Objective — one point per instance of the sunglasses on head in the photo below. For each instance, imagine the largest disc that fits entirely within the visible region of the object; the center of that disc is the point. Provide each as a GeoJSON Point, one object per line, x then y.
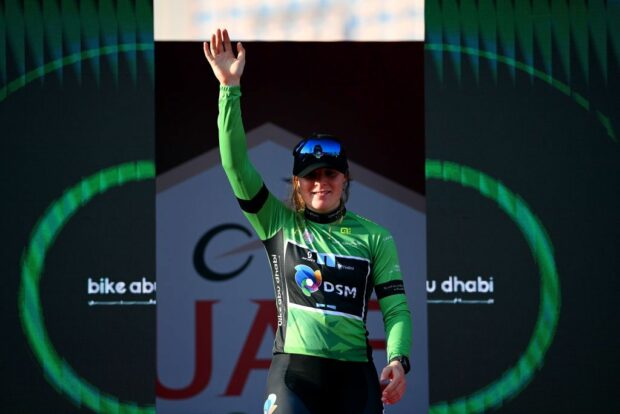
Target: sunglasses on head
{"type": "Point", "coordinates": [318, 147]}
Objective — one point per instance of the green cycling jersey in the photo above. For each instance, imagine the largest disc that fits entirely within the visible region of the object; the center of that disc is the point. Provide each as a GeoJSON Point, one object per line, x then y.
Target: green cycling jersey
{"type": "Point", "coordinates": [324, 268]}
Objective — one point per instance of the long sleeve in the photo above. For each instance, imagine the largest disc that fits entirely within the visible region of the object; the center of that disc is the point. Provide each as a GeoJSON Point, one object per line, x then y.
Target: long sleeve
{"type": "Point", "coordinates": [243, 177]}
{"type": "Point", "coordinates": [397, 321]}
{"type": "Point", "coordinates": [264, 212]}
{"type": "Point", "coordinates": [391, 294]}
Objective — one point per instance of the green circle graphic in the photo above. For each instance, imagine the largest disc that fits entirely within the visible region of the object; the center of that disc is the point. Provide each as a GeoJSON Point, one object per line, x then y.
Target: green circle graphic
{"type": "Point", "coordinates": [65, 380]}
{"type": "Point", "coordinates": [58, 371]}
{"type": "Point", "coordinates": [516, 378]}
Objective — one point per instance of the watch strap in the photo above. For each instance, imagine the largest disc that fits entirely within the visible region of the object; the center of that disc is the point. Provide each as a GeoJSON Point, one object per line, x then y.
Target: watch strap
{"type": "Point", "coordinates": [404, 362]}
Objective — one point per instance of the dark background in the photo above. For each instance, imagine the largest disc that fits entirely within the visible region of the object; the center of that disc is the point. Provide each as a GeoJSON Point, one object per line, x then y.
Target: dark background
{"type": "Point", "coordinates": [55, 131]}
{"type": "Point", "coordinates": [357, 93]}
{"type": "Point", "coordinates": [563, 162]}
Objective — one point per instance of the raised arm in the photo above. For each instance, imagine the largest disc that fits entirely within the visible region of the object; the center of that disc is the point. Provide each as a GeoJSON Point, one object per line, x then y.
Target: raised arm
{"type": "Point", "coordinates": [262, 210]}
{"type": "Point", "coordinates": [226, 67]}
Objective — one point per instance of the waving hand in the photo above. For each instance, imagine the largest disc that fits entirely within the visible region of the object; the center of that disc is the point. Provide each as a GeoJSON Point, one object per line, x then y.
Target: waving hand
{"type": "Point", "coordinates": [219, 53]}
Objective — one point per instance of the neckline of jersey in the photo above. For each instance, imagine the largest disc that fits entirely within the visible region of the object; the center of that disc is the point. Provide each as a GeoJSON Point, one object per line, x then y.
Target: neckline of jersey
{"type": "Point", "coordinates": [325, 218]}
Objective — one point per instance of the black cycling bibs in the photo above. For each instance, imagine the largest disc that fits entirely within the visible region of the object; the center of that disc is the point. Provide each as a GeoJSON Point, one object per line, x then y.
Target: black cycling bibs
{"type": "Point", "coordinates": [302, 384]}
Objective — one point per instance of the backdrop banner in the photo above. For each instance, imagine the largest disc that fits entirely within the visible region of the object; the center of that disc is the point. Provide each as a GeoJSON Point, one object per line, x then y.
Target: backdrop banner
{"type": "Point", "coordinates": [216, 313]}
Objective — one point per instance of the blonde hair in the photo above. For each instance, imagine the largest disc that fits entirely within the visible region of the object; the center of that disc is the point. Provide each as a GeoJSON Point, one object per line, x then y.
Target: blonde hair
{"type": "Point", "coordinates": [296, 201]}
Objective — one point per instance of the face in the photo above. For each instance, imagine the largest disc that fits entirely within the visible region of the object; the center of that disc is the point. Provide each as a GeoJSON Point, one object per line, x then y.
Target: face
{"type": "Point", "coordinates": [321, 189]}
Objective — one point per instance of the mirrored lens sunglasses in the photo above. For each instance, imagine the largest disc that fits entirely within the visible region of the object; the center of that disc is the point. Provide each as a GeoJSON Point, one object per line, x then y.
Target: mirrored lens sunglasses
{"type": "Point", "coordinates": [319, 148]}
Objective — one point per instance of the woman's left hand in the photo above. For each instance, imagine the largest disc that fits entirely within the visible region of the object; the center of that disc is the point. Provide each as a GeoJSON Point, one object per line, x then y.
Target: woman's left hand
{"type": "Point", "coordinates": [395, 390]}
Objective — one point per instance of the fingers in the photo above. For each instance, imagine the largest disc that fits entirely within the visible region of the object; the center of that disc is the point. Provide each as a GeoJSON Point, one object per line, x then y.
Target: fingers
{"type": "Point", "coordinates": [240, 52]}
{"type": "Point", "coordinates": [227, 45]}
{"type": "Point", "coordinates": [394, 386]}
{"type": "Point", "coordinates": [385, 374]}
{"type": "Point", "coordinates": [394, 391]}
{"type": "Point", "coordinates": [220, 55]}
{"type": "Point", "coordinates": [212, 45]}
{"type": "Point", "coordinates": [207, 50]}
{"type": "Point", "coordinates": [219, 42]}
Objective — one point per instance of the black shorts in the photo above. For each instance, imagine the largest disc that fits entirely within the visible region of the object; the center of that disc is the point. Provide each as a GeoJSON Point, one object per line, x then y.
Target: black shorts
{"type": "Point", "coordinates": [302, 384]}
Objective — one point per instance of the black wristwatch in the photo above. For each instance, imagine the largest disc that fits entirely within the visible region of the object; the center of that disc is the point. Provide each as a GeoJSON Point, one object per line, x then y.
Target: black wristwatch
{"type": "Point", "coordinates": [404, 361]}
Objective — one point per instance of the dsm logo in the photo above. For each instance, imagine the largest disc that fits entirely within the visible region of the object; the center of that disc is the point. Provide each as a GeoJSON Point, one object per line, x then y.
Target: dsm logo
{"type": "Point", "coordinates": [307, 279]}
{"type": "Point", "coordinates": [310, 280]}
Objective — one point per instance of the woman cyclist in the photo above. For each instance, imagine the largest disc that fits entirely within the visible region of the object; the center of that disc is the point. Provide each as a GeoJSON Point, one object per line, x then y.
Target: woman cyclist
{"type": "Point", "coordinates": [325, 262]}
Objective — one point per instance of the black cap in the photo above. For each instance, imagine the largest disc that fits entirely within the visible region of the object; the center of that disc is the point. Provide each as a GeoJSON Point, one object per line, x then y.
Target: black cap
{"type": "Point", "coordinates": [319, 151]}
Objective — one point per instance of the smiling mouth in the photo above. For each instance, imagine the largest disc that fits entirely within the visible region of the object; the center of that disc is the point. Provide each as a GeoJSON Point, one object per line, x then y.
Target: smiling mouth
{"type": "Point", "coordinates": [324, 192]}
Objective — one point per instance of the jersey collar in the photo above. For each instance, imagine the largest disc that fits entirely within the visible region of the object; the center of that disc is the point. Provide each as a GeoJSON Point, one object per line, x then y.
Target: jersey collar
{"type": "Point", "coordinates": [324, 218]}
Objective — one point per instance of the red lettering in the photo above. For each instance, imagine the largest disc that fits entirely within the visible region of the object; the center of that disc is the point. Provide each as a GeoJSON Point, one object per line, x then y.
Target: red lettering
{"type": "Point", "coordinates": [265, 318]}
{"type": "Point", "coordinates": [203, 358]}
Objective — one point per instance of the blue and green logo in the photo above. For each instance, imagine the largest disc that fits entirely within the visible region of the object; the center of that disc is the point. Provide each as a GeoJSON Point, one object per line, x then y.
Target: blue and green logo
{"type": "Point", "coordinates": [307, 279]}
